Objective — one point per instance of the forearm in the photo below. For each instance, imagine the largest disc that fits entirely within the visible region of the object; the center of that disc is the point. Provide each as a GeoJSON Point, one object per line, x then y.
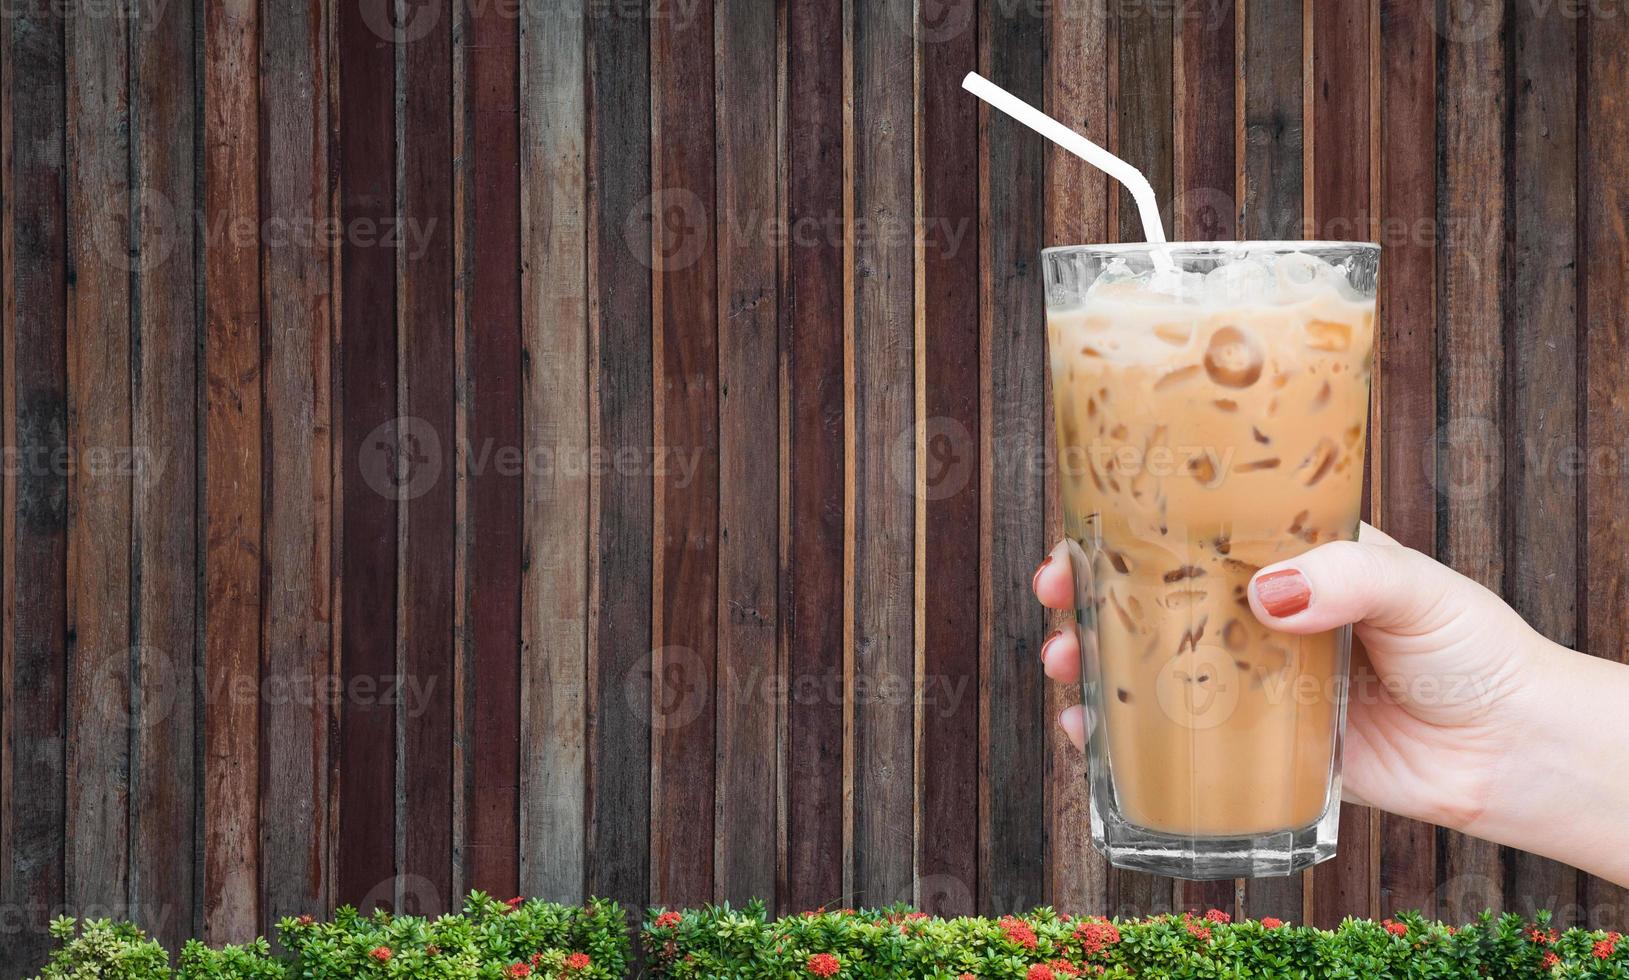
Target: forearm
{"type": "Point", "coordinates": [1564, 793]}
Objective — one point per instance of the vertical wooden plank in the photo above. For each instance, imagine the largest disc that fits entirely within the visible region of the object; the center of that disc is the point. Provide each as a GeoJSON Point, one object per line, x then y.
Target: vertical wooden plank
{"type": "Point", "coordinates": [1013, 352]}
{"type": "Point", "coordinates": [1402, 445]}
{"type": "Point", "coordinates": [883, 401]}
{"type": "Point", "coordinates": [684, 678]}
{"type": "Point", "coordinates": [1274, 135]}
{"type": "Point", "coordinates": [947, 476]}
{"type": "Point", "coordinates": [1146, 110]}
{"type": "Point", "coordinates": [372, 457]}
{"type": "Point", "coordinates": [1204, 207]}
{"type": "Point", "coordinates": [493, 541]}
{"type": "Point", "coordinates": [749, 441]}
{"type": "Point", "coordinates": [296, 299]}
{"type": "Point", "coordinates": [1338, 130]}
{"type": "Point", "coordinates": [164, 548]}
{"type": "Point", "coordinates": [812, 337]}
{"type": "Point", "coordinates": [36, 518]}
{"type": "Point", "coordinates": [1205, 151]}
{"type": "Point", "coordinates": [620, 318]}
{"type": "Point", "coordinates": [1471, 306]}
{"type": "Point", "coordinates": [233, 515]}
{"type": "Point", "coordinates": [1603, 412]}
{"type": "Point", "coordinates": [99, 656]}
{"type": "Point", "coordinates": [1541, 368]}
{"type": "Point", "coordinates": [425, 306]}
{"type": "Point", "coordinates": [1077, 205]}
{"type": "Point", "coordinates": [1272, 191]}
{"type": "Point", "coordinates": [554, 570]}
{"type": "Point", "coordinates": [1144, 133]}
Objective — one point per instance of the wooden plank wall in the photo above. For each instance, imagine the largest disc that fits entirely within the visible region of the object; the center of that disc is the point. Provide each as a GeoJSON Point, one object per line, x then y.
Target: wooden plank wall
{"type": "Point", "coordinates": [551, 462]}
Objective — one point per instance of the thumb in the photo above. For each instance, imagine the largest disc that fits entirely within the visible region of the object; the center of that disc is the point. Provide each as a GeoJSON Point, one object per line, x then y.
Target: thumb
{"type": "Point", "coordinates": [1375, 582]}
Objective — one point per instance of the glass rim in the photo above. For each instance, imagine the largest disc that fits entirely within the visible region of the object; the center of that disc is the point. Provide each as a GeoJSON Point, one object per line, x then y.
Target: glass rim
{"type": "Point", "coordinates": [1130, 248]}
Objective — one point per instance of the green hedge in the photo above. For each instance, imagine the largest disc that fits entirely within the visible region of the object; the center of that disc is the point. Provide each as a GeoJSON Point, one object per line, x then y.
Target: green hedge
{"type": "Point", "coordinates": [896, 942]}
{"type": "Point", "coordinates": [494, 940]}
{"type": "Point", "coordinates": [490, 940]}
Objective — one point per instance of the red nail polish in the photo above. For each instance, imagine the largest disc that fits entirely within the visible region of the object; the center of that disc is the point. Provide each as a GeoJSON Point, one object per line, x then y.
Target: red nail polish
{"type": "Point", "coordinates": [1033, 579]}
{"type": "Point", "coordinates": [1283, 593]}
{"type": "Point", "coordinates": [1048, 642]}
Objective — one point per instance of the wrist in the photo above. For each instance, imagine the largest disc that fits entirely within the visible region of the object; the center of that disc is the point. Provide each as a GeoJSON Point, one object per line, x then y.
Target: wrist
{"type": "Point", "coordinates": [1558, 791]}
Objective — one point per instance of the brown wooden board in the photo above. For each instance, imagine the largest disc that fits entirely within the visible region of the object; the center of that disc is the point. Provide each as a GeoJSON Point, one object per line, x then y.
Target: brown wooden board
{"type": "Point", "coordinates": [371, 448]}
{"type": "Point", "coordinates": [620, 321]}
{"type": "Point", "coordinates": [882, 517]}
{"type": "Point", "coordinates": [1271, 198]}
{"type": "Point", "coordinates": [747, 64]}
{"type": "Point", "coordinates": [1470, 374]}
{"type": "Point", "coordinates": [812, 572]}
{"type": "Point", "coordinates": [36, 496]}
{"type": "Point", "coordinates": [424, 302]}
{"type": "Point", "coordinates": [1204, 205]}
{"type": "Point", "coordinates": [1143, 102]}
{"type": "Point", "coordinates": [1403, 440]}
{"type": "Point", "coordinates": [684, 702]}
{"type": "Point", "coordinates": [165, 334]}
{"type": "Point", "coordinates": [296, 300]}
{"type": "Point", "coordinates": [1013, 494]}
{"type": "Point", "coordinates": [496, 462]}
{"type": "Point", "coordinates": [1077, 206]}
{"type": "Point", "coordinates": [1540, 347]}
{"type": "Point", "coordinates": [1338, 130]}
{"type": "Point", "coordinates": [233, 516]}
{"type": "Point", "coordinates": [98, 349]}
{"type": "Point", "coordinates": [1603, 526]}
{"type": "Point", "coordinates": [948, 543]}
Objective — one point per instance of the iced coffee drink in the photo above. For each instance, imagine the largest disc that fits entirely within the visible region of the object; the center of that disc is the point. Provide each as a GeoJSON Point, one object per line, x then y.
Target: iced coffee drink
{"type": "Point", "coordinates": [1210, 414]}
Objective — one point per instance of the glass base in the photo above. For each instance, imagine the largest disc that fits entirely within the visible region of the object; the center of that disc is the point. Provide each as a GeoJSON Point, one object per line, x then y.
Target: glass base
{"type": "Point", "coordinates": [1194, 858]}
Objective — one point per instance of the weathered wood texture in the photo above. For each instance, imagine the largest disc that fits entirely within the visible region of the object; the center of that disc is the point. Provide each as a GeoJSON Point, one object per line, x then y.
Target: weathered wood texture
{"type": "Point", "coordinates": [579, 452]}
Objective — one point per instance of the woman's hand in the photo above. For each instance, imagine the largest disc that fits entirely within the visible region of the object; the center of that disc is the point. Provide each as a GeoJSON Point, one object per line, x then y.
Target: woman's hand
{"type": "Point", "coordinates": [1460, 713]}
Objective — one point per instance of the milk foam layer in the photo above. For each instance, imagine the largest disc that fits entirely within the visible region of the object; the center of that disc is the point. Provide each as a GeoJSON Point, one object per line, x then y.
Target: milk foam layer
{"type": "Point", "coordinates": [1209, 426]}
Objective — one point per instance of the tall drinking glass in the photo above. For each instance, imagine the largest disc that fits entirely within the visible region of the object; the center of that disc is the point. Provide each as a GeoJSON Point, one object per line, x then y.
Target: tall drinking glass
{"type": "Point", "coordinates": [1211, 416]}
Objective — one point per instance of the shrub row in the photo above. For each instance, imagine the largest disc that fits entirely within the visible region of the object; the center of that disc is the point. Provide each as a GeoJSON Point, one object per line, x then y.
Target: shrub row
{"type": "Point", "coordinates": [1044, 945]}
{"type": "Point", "coordinates": [493, 940]}
{"type": "Point", "coordinates": [490, 940]}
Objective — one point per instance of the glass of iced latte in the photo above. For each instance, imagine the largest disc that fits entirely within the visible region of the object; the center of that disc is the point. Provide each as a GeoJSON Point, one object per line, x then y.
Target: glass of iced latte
{"type": "Point", "coordinates": [1211, 402]}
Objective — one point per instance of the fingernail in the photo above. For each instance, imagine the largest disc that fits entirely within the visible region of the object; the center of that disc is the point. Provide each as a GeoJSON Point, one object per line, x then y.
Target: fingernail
{"type": "Point", "coordinates": [1283, 593]}
{"type": "Point", "coordinates": [1033, 579]}
{"type": "Point", "coordinates": [1048, 642]}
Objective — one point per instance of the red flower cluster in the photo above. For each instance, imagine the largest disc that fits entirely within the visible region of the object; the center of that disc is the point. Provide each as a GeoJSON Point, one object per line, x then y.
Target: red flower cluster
{"type": "Point", "coordinates": [1018, 931]}
{"type": "Point", "coordinates": [1040, 971]}
{"type": "Point", "coordinates": [381, 953]}
{"type": "Point", "coordinates": [1606, 947]}
{"type": "Point", "coordinates": [668, 920]}
{"type": "Point", "coordinates": [1218, 916]}
{"type": "Point", "coordinates": [1395, 928]}
{"type": "Point", "coordinates": [1550, 961]}
{"type": "Point", "coordinates": [1543, 938]}
{"type": "Point", "coordinates": [1268, 922]}
{"type": "Point", "coordinates": [520, 970]}
{"type": "Point", "coordinates": [1199, 932]}
{"type": "Point", "coordinates": [824, 965]}
{"type": "Point", "coordinates": [1064, 968]}
{"type": "Point", "coordinates": [1097, 935]}
{"type": "Point", "coordinates": [305, 920]}
{"type": "Point", "coordinates": [515, 903]}
{"type": "Point", "coordinates": [578, 961]}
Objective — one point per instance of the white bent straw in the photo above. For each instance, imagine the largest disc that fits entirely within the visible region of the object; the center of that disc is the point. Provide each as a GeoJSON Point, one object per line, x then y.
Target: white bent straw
{"type": "Point", "coordinates": [1147, 205]}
